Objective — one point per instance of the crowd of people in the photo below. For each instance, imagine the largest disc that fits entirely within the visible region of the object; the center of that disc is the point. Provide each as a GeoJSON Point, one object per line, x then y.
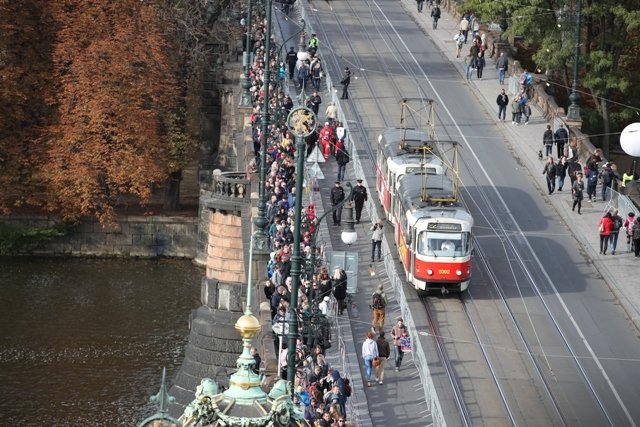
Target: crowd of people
{"type": "Point", "coordinates": [320, 390]}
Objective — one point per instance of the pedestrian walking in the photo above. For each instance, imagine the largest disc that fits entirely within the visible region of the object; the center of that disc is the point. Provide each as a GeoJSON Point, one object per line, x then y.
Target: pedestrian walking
{"type": "Point", "coordinates": [292, 58]}
{"type": "Point", "coordinates": [435, 15]}
{"type": "Point", "coordinates": [515, 111]}
{"type": "Point", "coordinates": [479, 66]}
{"type": "Point", "coordinates": [628, 227]}
{"type": "Point", "coordinates": [550, 171]}
{"type": "Point", "coordinates": [503, 102]}
{"type": "Point", "coordinates": [316, 73]}
{"type": "Point", "coordinates": [302, 74]}
{"type": "Point", "coordinates": [420, 4]}
{"type": "Point", "coordinates": [615, 230]}
{"type": "Point", "coordinates": [399, 329]}
{"type": "Point", "coordinates": [345, 82]}
{"type": "Point", "coordinates": [314, 102]}
{"type": "Point", "coordinates": [376, 241]}
{"type": "Point", "coordinates": [561, 172]}
{"type": "Point", "coordinates": [464, 27]}
{"type": "Point", "coordinates": [561, 137]}
{"type": "Point", "coordinates": [342, 158]}
{"type": "Point", "coordinates": [369, 352]}
{"type": "Point", "coordinates": [384, 352]}
{"type": "Point", "coordinates": [526, 110]}
{"type": "Point", "coordinates": [378, 305]}
{"type": "Point", "coordinates": [331, 112]}
{"type": "Point", "coordinates": [573, 167]}
{"type": "Point", "coordinates": [592, 181]}
{"type": "Point", "coordinates": [577, 192]}
{"type": "Point", "coordinates": [606, 176]}
{"type": "Point", "coordinates": [337, 196]}
{"type": "Point", "coordinates": [502, 64]}
{"type": "Point", "coordinates": [340, 289]}
{"type": "Point", "coordinates": [459, 39]}
{"type": "Point", "coordinates": [604, 228]}
{"type": "Point", "coordinates": [359, 197]}
{"type": "Point", "coordinates": [635, 237]}
{"type": "Point", "coordinates": [547, 141]}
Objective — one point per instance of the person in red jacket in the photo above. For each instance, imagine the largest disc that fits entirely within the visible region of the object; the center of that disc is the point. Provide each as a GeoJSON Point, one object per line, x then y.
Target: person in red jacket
{"type": "Point", "coordinates": [605, 227]}
{"type": "Point", "coordinates": [327, 139]}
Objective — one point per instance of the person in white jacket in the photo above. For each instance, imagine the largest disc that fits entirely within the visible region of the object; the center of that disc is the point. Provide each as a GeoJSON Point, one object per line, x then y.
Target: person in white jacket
{"type": "Point", "coordinates": [369, 352]}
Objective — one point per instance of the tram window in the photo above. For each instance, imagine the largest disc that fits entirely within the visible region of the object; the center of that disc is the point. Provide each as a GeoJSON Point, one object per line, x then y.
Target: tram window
{"type": "Point", "coordinates": [443, 244]}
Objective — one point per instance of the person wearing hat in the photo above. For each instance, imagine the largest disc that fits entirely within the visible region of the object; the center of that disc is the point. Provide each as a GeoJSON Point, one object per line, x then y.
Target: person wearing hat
{"type": "Point", "coordinates": [359, 197]}
{"type": "Point", "coordinates": [628, 226]}
{"type": "Point", "coordinates": [324, 306]}
{"type": "Point", "coordinates": [337, 196]}
{"type": "Point", "coordinates": [378, 305]}
{"type": "Point", "coordinates": [346, 80]}
{"type": "Point", "coordinates": [376, 240]}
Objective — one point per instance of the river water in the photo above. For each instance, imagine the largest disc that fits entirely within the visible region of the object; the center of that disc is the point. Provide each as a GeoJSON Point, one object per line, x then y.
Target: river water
{"type": "Point", "coordinates": [83, 341]}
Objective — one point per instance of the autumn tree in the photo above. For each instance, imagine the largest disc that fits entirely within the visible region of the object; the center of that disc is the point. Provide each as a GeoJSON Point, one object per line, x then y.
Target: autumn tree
{"type": "Point", "coordinates": [25, 83]}
{"type": "Point", "coordinates": [117, 90]}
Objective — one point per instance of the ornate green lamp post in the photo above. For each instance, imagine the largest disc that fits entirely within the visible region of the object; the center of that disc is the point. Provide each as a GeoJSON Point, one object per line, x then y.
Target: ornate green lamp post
{"type": "Point", "coordinates": [302, 123]}
{"type": "Point", "coordinates": [260, 222]}
{"type": "Point", "coordinates": [163, 399]}
{"type": "Point", "coordinates": [573, 113]}
{"type": "Point", "coordinates": [245, 101]}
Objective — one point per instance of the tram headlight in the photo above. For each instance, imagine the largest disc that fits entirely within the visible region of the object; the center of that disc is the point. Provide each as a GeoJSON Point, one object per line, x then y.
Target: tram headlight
{"type": "Point", "coordinates": [459, 272]}
{"type": "Point", "coordinates": [430, 272]}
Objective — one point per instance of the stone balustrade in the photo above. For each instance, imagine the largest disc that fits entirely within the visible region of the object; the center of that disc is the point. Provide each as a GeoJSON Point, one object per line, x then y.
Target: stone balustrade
{"type": "Point", "coordinates": [231, 186]}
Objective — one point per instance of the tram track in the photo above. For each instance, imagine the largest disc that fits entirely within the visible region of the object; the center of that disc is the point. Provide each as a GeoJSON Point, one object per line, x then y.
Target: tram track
{"type": "Point", "coordinates": [495, 223]}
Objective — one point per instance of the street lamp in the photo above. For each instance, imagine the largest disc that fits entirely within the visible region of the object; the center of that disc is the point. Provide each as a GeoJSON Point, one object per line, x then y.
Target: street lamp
{"type": "Point", "coordinates": [573, 113]}
{"type": "Point", "coordinates": [630, 143]}
{"type": "Point", "coordinates": [245, 101]}
{"type": "Point", "coordinates": [302, 123]}
{"type": "Point", "coordinates": [260, 222]}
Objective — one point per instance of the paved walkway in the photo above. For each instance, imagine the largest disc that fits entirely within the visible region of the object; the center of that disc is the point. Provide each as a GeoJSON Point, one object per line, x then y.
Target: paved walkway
{"type": "Point", "coordinates": [617, 270]}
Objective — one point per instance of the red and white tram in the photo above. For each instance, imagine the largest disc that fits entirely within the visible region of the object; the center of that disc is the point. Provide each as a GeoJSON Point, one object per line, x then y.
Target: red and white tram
{"type": "Point", "coordinates": [402, 151]}
{"type": "Point", "coordinates": [433, 233]}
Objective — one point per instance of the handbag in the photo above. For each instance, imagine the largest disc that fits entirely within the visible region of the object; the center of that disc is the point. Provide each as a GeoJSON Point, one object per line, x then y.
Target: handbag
{"type": "Point", "coordinates": [375, 362]}
{"type": "Point", "coordinates": [601, 228]}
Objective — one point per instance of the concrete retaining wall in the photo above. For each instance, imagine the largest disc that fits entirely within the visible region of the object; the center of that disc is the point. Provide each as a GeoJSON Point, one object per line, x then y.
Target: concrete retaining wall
{"type": "Point", "coordinates": [135, 236]}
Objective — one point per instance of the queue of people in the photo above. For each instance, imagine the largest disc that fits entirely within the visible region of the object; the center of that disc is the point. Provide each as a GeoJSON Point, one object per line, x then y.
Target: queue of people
{"type": "Point", "coordinates": [321, 391]}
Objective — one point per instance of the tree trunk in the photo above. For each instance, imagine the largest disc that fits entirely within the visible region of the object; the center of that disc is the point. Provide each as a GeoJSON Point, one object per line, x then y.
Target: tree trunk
{"type": "Point", "coordinates": [606, 127]}
{"type": "Point", "coordinates": [172, 191]}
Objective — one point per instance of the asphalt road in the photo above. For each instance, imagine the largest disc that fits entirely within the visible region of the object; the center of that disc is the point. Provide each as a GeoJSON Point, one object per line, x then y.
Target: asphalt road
{"type": "Point", "coordinates": [561, 349]}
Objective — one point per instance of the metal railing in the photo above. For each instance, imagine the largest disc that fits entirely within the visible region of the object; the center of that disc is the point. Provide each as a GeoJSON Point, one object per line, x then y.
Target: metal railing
{"type": "Point", "coordinates": [619, 201]}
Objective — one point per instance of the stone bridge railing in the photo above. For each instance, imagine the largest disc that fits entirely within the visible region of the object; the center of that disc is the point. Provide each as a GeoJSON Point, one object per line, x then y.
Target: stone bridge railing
{"type": "Point", "coordinates": [231, 186]}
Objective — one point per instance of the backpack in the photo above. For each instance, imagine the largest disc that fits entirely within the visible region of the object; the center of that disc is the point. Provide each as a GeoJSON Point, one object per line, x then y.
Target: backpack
{"type": "Point", "coordinates": [617, 223]}
{"type": "Point", "coordinates": [592, 179]}
{"type": "Point", "coordinates": [635, 231]}
{"type": "Point", "coordinates": [347, 387]}
{"type": "Point", "coordinates": [378, 301]}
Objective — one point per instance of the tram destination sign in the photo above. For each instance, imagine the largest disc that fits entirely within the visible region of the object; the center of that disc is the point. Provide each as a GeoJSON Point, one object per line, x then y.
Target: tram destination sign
{"type": "Point", "coordinates": [444, 226]}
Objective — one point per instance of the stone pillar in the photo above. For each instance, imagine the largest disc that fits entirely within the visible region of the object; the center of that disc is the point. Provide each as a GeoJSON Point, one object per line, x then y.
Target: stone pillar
{"type": "Point", "coordinates": [214, 344]}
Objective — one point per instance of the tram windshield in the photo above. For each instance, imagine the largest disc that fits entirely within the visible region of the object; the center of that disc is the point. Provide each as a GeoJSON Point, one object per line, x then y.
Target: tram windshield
{"type": "Point", "coordinates": [433, 243]}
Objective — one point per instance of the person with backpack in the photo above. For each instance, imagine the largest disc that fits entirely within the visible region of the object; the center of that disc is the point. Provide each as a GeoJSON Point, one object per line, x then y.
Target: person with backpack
{"type": "Point", "coordinates": [615, 230]}
{"type": "Point", "coordinates": [384, 351]}
{"type": "Point", "coordinates": [378, 305]}
{"type": "Point", "coordinates": [550, 171]}
{"type": "Point", "coordinates": [592, 182]}
{"type": "Point", "coordinates": [606, 175]}
{"type": "Point", "coordinates": [435, 14]}
{"type": "Point", "coordinates": [562, 137]}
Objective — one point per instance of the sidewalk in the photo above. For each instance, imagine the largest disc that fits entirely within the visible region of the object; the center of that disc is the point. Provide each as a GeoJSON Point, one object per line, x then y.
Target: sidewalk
{"type": "Point", "coordinates": [617, 270]}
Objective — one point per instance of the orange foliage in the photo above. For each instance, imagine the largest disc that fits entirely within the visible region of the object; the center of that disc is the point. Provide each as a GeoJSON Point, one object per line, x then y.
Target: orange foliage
{"type": "Point", "coordinates": [116, 89]}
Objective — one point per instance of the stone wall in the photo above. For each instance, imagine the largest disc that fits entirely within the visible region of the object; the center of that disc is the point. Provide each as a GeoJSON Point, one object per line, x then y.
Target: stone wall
{"type": "Point", "coordinates": [133, 236]}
